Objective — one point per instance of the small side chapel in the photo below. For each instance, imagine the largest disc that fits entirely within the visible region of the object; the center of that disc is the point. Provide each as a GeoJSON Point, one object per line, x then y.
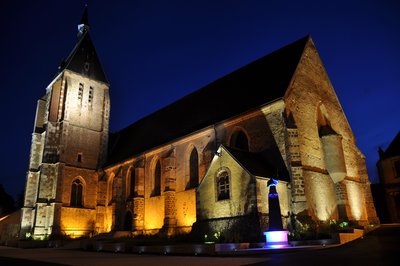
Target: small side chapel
{"type": "Point", "coordinates": [201, 164]}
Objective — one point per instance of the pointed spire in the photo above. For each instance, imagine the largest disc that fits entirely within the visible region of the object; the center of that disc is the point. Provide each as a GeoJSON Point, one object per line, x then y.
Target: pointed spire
{"type": "Point", "coordinates": [83, 26]}
{"type": "Point", "coordinates": [83, 59]}
{"type": "Point", "coordinates": [85, 18]}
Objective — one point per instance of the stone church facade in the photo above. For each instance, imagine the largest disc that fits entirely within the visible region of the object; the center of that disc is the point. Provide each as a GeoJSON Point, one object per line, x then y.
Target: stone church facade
{"type": "Point", "coordinates": [200, 164]}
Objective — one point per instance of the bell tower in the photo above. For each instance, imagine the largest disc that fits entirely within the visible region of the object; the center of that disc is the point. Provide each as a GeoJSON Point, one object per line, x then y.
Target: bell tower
{"type": "Point", "coordinates": [69, 143]}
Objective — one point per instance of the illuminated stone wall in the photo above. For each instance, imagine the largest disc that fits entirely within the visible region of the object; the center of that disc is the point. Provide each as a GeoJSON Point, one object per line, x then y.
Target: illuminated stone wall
{"type": "Point", "coordinates": [186, 209]}
{"type": "Point", "coordinates": [174, 210]}
{"type": "Point", "coordinates": [71, 128]}
{"type": "Point", "coordinates": [154, 213]}
{"type": "Point", "coordinates": [273, 114]}
{"type": "Point", "coordinates": [76, 222]}
{"type": "Point", "coordinates": [71, 137]}
{"type": "Point", "coordinates": [321, 196]}
{"type": "Point", "coordinates": [312, 190]}
{"type": "Point", "coordinates": [35, 160]}
{"type": "Point", "coordinates": [36, 151]}
{"type": "Point", "coordinates": [176, 177]}
{"type": "Point", "coordinates": [242, 187]}
{"type": "Point", "coordinates": [309, 97]}
{"type": "Point", "coordinates": [86, 122]}
{"type": "Point", "coordinates": [357, 199]}
{"type": "Point", "coordinates": [89, 179]}
{"type": "Point", "coordinates": [235, 219]}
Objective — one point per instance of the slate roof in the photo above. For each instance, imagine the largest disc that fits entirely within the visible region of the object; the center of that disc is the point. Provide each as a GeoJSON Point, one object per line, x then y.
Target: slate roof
{"type": "Point", "coordinates": [268, 163]}
{"type": "Point", "coordinates": [249, 87]}
{"type": "Point", "coordinates": [83, 59]}
{"type": "Point", "coordinates": [394, 148]}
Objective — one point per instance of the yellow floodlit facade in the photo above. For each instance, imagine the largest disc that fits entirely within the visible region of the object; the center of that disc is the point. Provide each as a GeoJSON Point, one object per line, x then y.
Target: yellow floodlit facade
{"type": "Point", "coordinates": [191, 167]}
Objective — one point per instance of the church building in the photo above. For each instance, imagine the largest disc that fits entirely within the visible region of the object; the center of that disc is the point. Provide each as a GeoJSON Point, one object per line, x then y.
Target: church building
{"type": "Point", "coordinates": [205, 163]}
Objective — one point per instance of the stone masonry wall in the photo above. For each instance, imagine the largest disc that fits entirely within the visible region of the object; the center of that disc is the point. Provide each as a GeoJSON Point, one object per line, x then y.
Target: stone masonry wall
{"type": "Point", "coordinates": [86, 116]}
{"type": "Point", "coordinates": [311, 89]}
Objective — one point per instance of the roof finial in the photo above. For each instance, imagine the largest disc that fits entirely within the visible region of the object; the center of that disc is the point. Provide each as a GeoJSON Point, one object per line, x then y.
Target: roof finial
{"type": "Point", "coordinates": [83, 26]}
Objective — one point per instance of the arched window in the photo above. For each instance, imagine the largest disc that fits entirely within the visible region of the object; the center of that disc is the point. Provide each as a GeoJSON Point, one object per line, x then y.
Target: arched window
{"type": "Point", "coordinates": [76, 193]}
{"type": "Point", "coordinates": [193, 169]}
{"type": "Point", "coordinates": [157, 179]}
{"type": "Point", "coordinates": [132, 182]}
{"type": "Point", "coordinates": [239, 140]}
{"type": "Point", "coordinates": [223, 185]}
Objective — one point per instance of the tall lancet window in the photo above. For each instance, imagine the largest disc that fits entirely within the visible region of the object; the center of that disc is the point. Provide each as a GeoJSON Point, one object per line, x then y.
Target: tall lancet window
{"type": "Point", "coordinates": [132, 183]}
{"type": "Point", "coordinates": [193, 169]}
{"type": "Point", "coordinates": [157, 179]}
{"type": "Point", "coordinates": [76, 193]}
{"type": "Point", "coordinates": [80, 94]}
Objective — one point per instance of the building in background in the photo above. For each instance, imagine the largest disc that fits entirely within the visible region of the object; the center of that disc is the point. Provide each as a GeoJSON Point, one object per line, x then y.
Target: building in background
{"type": "Point", "coordinates": [202, 163]}
{"type": "Point", "coordinates": [388, 189]}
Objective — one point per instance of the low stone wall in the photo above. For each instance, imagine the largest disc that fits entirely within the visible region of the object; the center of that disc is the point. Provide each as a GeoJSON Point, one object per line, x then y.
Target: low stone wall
{"type": "Point", "coordinates": [340, 238]}
{"type": "Point", "coordinates": [347, 237]}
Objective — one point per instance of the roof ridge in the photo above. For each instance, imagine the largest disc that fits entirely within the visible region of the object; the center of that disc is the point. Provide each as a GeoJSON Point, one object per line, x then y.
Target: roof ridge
{"type": "Point", "coordinates": [265, 80]}
{"type": "Point", "coordinates": [85, 61]}
{"type": "Point", "coordinates": [216, 80]}
{"type": "Point", "coordinates": [72, 53]}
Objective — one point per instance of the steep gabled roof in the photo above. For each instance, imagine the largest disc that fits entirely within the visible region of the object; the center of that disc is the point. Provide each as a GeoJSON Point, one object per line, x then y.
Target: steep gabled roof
{"type": "Point", "coordinates": [249, 87]}
{"type": "Point", "coordinates": [83, 59]}
{"type": "Point", "coordinates": [394, 148]}
{"type": "Point", "coordinates": [268, 163]}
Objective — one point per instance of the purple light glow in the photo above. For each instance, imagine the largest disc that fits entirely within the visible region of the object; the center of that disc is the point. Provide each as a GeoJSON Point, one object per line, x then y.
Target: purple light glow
{"type": "Point", "coordinates": [276, 239]}
{"type": "Point", "coordinates": [276, 246]}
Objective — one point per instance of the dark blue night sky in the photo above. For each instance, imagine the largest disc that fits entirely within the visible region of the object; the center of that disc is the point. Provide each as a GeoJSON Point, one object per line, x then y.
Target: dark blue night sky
{"type": "Point", "coordinates": [155, 52]}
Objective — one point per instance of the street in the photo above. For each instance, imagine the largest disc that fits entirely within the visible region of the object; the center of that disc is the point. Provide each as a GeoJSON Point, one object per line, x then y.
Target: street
{"type": "Point", "coordinates": [379, 247]}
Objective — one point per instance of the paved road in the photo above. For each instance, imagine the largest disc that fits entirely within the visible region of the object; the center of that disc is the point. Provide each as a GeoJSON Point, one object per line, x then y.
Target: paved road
{"type": "Point", "coordinates": [75, 257]}
{"type": "Point", "coordinates": [379, 247]}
